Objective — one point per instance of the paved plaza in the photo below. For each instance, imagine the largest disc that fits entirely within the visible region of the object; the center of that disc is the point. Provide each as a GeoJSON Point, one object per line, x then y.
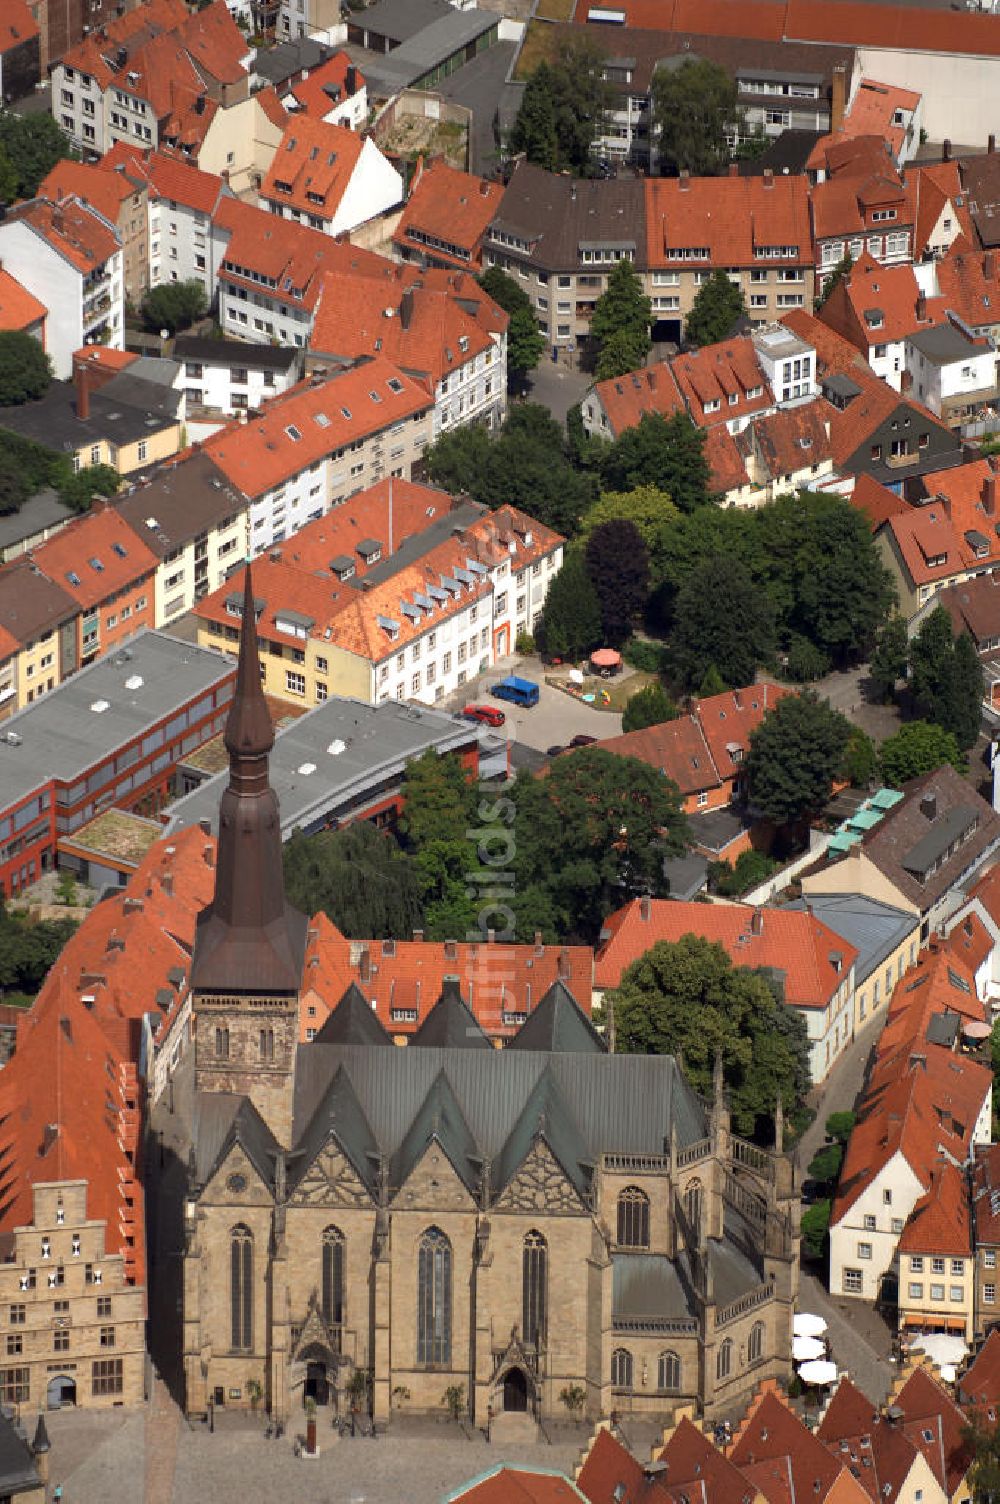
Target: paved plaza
{"type": "Point", "coordinates": [152, 1455]}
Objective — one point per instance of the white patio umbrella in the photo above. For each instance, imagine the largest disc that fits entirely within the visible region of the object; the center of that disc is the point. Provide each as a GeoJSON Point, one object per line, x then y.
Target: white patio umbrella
{"type": "Point", "coordinates": [819, 1371]}
{"type": "Point", "coordinates": [804, 1324]}
{"type": "Point", "coordinates": [942, 1347]}
{"type": "Point", "coordinates": [804, 1349]}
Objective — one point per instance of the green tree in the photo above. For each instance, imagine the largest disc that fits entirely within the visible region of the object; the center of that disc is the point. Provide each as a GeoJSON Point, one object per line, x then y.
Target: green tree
{"type": "Point", "coordinates": [525, 341]}
{"type": "Point", "coordinates": [749, 870]}
{"type": "Point", "coordinates": [717, 307]}
{"type": "Point", "coordinates": [712, 683]}
{"type": "Point", "coordinates": [438, 800]}
{"type": "Point", "coordinates": [916, 748]}
{"type": "Point", "coordinates": [721, 620]}
{"type": "Point", "coordinates": [815, 1227]}
{"type": "Point", "coordinates": [795, 754]}
{"type": "Point", "coordinates": [358, 876]}
{"type": "Point", "coordinates": [8, 179]}
{"type": "Point", "coordinates": [174, 305]}
{"type": "Point", "coordinates": [29, 949]}
{"type": "Point", "coordinates": [25, 369]}
{"type": "Point", "coordinates": [32, 144]}
{"type": "Point", "coordinates": [14, 489]}
{"type": "Point", "coordinates": [458, 461]}
{"type": "Point", "coordinates": [534, 130]}
{"type": "Point", "coordinates": [649, 508]}
{"type": "Point", "coordinates": [668, 453]}
{"type": "Point", "coordinates": [618, 566]}
{"type": "Point", "coordinates": [78, 491]}
{"type": "Point", "coordinates": [840, 1125]}
{"type": "Point", "coordinates": [695, 111]}
{"type": "Point", "coordinates": [982, 1442]}
{"type": "Point", "coordinates": [688, 996]}
{"type": "Point", "coordinates": [840, 271]}
{"type": "Point", "coordinates": [649, 706]}
{"type": "Point", "coordinates": [806, 661]}
{"type": "Point", "coordinates": [825, 1163]}
{"type": "Point", "coordinates": [888, 661]}
{"type": "Point", "coordinates": [620, 323]}
{"type": "Point", "coordinates": [946, 678]}
{"type": "Point", "coordinates": [612, 820]}
{"type": "Point", "coordinates": [570, 623]}
{"type": "Point", "coordinates": [861, 760]}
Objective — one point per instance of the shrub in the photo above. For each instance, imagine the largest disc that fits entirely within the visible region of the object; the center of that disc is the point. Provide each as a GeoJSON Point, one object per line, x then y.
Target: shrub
{"type": "Point", "coordinates": [806, 661]}
{"type": "Point", "coordinates": [524, 644]}
{"type": "Point", "coordinates": [650, 657]}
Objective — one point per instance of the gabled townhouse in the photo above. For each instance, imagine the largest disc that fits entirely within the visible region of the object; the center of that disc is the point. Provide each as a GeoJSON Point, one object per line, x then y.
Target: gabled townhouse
{"type": "Point", "coordinates": [948, 535]}
{"type": "Point", "coordinates": [329, 177]}
{"type": "Point", "coordinates": [335, 92]}
{"type": "Point", "coordinates": [878, 309]}
{"type": "Point", "coordinates": [446, 217]}
{"type": "Point", "coordinates": [886, 939]}
{"type": "Point", "coordinates": [757, 230]}
{"type": "Point", "coordinates": [884, 1454]}
{"type": "Point", "coordinates": [183, 205]}
{"type": "Point", "coordinates": [125, 80]}
{"type": "Point", "coordinates": [271, 276]}
{"type": "Point", "coordinates": [195, 524]}
{"type": "Point", "coordinates": [885, 110]}
{"type": "Point", "coordinates": [228, 376]}
{"type": "Point", "coordinates": [20, 309]}
{"type": "Point", "coordinates": [40, 617]}
{"type": "Point", "coordinates": [785, 451]}
{"type": "Point", "coordinates": [816, 965]}
{"type": "Point", "coordinates": [922, 852]}
{"type": "Point", "coordinates": [560, 238]}
{"type": "Point", "coordinates": [235, 140]}
{"type": "Point", "coordinates": [108, 571]}
{"type": "Point", "coordinates": [121, 200]}
{"type": "Point", "coordinates": [414, 623]}
{"type": "Point", "coordinates": [440, 327]}
{"type": "Point", "coordinates": [858, 209]}
{"type": "Point", "coordinates": [782, 1458]}
{"type": "Point", "coordinates": [322, 442]}
{"type": "Point", "coordinates": [940, 209]}
{"type": "Point", "coordinates": [68, 256]}
{"type": "Point", "coordinates": [968, 283]}
{"type": "Point", "coordinates": [928, 1406]}
{"type": "Point", "coordinates": [936, 1271]}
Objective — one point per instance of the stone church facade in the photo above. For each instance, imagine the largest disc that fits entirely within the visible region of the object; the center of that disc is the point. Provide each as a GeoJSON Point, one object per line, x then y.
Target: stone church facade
{"type": "Point", "coordinates": [382, 1224]}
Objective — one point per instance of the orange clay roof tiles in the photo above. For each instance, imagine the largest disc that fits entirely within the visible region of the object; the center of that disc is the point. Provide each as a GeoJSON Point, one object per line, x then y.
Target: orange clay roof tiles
{"type": "Point", "coordinates": [312, 421]}
{"type": "Point", "coordinates": [71, 228]}
{"type": "Point", "coordinates": [979, 1386]}
{"type": "Point", "coordinates": [878, 305]}
{"type": "Point", "coordinates": [95, 556]}
{"type": "Point", "coordinates": [731, 218]}
{"type": "Point", "coordinates": [923, 1398]}
{"type": "Point", "coordinates": [727, 467]}
{"type": "Point", "coordinates": [873, 109]}
{"type": "Point", "coordinates": [725, 375]}
{"type": "Point", "coordinates": [451, 206]}
{"type": "Point", "coordinates": [876, 501]}
{"type": "Point", "coordinates": [292, 257]}
{"type": "Point", "coordinates": [105, 191]}
{"type": "Point", "coordinates": [313, 93]}
{"type": "Point", "coordinates": [626, 398]}
{"type": "Point", "coordinates": [936, 188]}
{"type": "Point", "coordinates": [19, 308]}
{"type": "Point", "coordinates": [940, 1222]}
{"type": "Point", "coordinates": [513, 1484]}
{"type": "Point", "coordinates": [169, 178]}
{"type": "Point", "coordinates": [313, 166]}
{"type": "Point", "coordinates": [778, 1453]}
{"type": "Point", "coordinates": [794, 942]}
{"type": "Point", "coordinates": [792, 438]}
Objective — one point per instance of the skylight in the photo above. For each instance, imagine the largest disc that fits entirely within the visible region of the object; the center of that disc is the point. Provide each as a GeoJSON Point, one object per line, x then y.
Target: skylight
{"type": "Point", "coordinates": [293, 433]}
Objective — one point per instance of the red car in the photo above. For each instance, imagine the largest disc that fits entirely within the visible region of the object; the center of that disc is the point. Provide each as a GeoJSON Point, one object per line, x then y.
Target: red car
{"type": "Point", "coordinates": [485, 713]}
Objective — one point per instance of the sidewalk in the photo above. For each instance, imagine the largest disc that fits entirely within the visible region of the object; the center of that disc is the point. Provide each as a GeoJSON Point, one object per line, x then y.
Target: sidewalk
{"type": "Point", "coordinates": [840, 1090]}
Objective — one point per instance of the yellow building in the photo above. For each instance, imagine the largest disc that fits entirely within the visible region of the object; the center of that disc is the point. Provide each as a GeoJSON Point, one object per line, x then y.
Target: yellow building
{"type": "Point", "coordinates": [936, 1267]}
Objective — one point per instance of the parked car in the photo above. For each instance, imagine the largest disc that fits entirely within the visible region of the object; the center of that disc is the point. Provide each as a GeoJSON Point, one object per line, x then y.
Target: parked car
{"type": "Point", "coordinates": [518, 691]}
{"type": "Point", "coordinates": [582, 740]}
{"type": "Point", "coordinates": [488, 714]}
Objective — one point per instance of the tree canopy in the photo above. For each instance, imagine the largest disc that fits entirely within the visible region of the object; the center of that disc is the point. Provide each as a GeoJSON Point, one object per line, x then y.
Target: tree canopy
{"type": "Point", "coordinates": [174, 305]}
{"type": "Point", "coordinates": [721, 620]}
{"type": "Point", "coordinates": [889, 659]}
{"type": "Point", "coordinates": [25, 369]}
{"type": "Point", "coordinates": [668, 453]}
{"type": "Point", "coordinates": [29, 948]}
{"type": "Point", "coordinates": [695, 110]}
{"type": "Point", "coordinates": [618, 565]}
{"type": "Point", "coordinates": [647, 507]}
{"type": "Point", "coordinates": [717, 307]}
{"type": "Point", "coordinates": [795, 754]}
{"type": "Point", "coordinates": [31, 146]}
{"type": "Point", "coordinates": [570, 623]}
{"type": "Point", "coordinates": [916, 748]}
{"type": "Point", "coordinates": [649, 706]}
{"type": "Point", "coordinates": [946, 678]}
{"type": "Point", "coordinates": [688, 996]}
{"type": "Point", "coordinates": [620, 323]}
{"type": "Point", "coordinates": [358, 876]}
{"type": "Point", "coordinates": [438, 812]}
{"type": "Point", "coordinates": [525, 341]}
{"type": "Point", "coordinates": [562, 109]}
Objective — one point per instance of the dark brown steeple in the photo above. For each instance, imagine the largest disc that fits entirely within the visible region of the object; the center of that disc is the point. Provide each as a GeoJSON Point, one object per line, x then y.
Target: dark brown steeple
{"type": "Point", "coordinates": [249, 938]}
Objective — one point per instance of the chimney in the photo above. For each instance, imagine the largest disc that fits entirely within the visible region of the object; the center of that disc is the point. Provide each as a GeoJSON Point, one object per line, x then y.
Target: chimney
{"type": "Point", "coordinates": [645, 908]}
{"type": "Point", "coordinates": [351, 79]}
{"type": "Point", "coordinates": [928, 806]}
{"type": "Point", "coordinates": [946, 150]}
{"type": "Point", "coordinates": [684, 180]}
{"type": "Point", "coordinates": [484, 188]}
{"type": "Point", "coordinates": [406, 308]}
{"type": "Point", "coordinates": [991, 144]}
{"type": "Point", "coordinates": [205, 826]}
{"type": "Point", "coordinates": [989, 494]}
{"type": "Point", "coordinates": [564, 966]}
{"type": "Point", "coordinates": [768, 177]}
{"type": "Point", "coordinates": [82, 393]}
{"type": "Point", "coordinates": [734, 169]}
{"type": "Point", "coordinates": [757, 921]}
{"type": "Point", "coordinates": [921, 307]}
{"type": "Point", "coordinates": [450, 950]}
{"type": "Point", "coordinates": [838, 97]}
{"type": "Point", "coordinates": [167, 884]}
{"type": "Point", "coordinates": [539, 944]}
{"type": "Point", "coordinates": [365, 965]}
{"type": "Point", "coordinates": [418, 936]}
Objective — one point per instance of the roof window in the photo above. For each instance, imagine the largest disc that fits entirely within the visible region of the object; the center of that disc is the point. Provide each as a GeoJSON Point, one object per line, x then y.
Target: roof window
{"type": "Point", "coordinates": [293, 433]}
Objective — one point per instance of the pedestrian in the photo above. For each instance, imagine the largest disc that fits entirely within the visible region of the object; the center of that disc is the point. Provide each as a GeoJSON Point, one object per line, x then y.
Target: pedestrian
{"type": "Point", "coordinates": [57, 1494]}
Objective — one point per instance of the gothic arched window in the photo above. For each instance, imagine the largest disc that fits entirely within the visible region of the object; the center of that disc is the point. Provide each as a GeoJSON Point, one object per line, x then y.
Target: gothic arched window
{"type": "Point", "coordinates": [633, 1218]}
{"type": "Point", "coordinates": [267, 1044]}
{"type": "Point", "coordinates": [724, 1360]}
{"type": "Point", "coordinates": [222, 1043]}
{"type": "Point", "coordinates": [333, 1276]}
{"type": "Point", "coordinates": [534, 1272]}
{"type": "Point", "coordinates": [755, 1347]}
{"type": "Point", "coordinates": [693, 1199]}
{"type": "Point", "coordinates": [621, 1368]}
{"type": "Point", "coordinates": [434, 1298]}
{"type": "Point", "coordinates": [241, 1286]}
{"type": "Point", "coordinates": [668, 1371]}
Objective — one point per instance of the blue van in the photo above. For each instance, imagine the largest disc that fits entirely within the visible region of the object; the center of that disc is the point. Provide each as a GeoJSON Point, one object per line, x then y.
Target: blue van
{"type": "Point", "coordinates": [518, 691]}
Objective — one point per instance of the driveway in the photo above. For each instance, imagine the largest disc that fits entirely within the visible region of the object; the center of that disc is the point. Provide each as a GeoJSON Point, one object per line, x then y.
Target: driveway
{"type": "Point", "coordinates": [558, 387]}
{"type": "Point", "coordinates": [552, 722]}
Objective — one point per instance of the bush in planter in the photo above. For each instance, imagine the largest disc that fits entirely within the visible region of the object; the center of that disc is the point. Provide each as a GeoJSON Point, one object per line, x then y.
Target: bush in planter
{"type": "Point", "coordinates": [524, 644]}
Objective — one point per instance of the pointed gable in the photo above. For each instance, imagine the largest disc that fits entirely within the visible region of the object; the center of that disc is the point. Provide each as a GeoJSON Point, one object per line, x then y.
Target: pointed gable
{"type": "Point", "coordinates": [544, 1139]}
{"type": "Point", "coordinates": [558, 1023]}
{"type": "Point", "coordinates": [353, 1021]}
{"type": "Point", "coordinates": [336, 1159]}
{"type": "Point", "coordinates": [450, 1025]}
{"type": "Point", "coordinates": [440, 1120]}
{"type": "Point", "coordinates": [249, 1131]}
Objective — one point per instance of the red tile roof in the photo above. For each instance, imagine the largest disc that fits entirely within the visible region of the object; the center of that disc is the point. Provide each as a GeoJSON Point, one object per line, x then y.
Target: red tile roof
{"type": "Point", "coordinates": [842, 206]}
{"type": "Point", "coordinates": [626, 398]}
{"type": "Point", "coordinates": [389, 511]}
{"type": "Point", "coordinates": [95, 557]}
{"type": "Point", "coordinates": [449, 206]}
{"type": "Point", "coordinates": [969, 281]}
{"type": "Point", "coordinates": [890, 26]}
{"type": "Point", "coordinates": [986, 1194]}
{"type": "Point", "coordinates": [940, 1222]}
{"type": "Point", "coordinates": [955, 509]}
{"type": "Point", "coordinates": [876, 501]}
{"type": "Point", "coordinates": [510, 1483]}
{"type": "Point", "coordinates": [325, 87]}
{"type": "Point", "coordinates": [692, 1460]}
{"type": "Point", "coordinates": [726, 463]}
{"type": "Point", "coordinates": [934, 187]}
{"type": "Point", "coordinates": [72, 229]}
{"type": "Point", "coordinates": [979, 1386]}
{"type": "Point", "coordinates": [313, 420]}
{"type": "Point", "coordinates": [610, 1466]}
{"type": "Point", "coordinates": [922, 1400]}
{"type": "Point", "coordinates": [96, 53]}
{"type": "Point", "coordinates": [778, 1453]}
{"type": "Point", "coordinates": [17, 25]}
{"type": "Point", "coordinates": [873, 109]}
{"type": "Point", "coordinates": [167, 177]}
{"type": "Point", "coordinates": [105, 191]}
{"type": "Point", "coordinates": [879, 305]}
{"type": "Point", "coordinates": [791, 941]}
{"type": "Point", "coordinates": [728, 721]}
{"type": "Point", "coordinates": [722, 377]}
{"type": "Point", "coordinates": [19, 308]}
{"type": "Point", "coordinates": [312, 167]}
{"type": "Point", "coordinates": [731, 218]}
{"type": "Point", "coordinates": [791, 439]}
{"type": "Point", "coordinates": [288, 256]}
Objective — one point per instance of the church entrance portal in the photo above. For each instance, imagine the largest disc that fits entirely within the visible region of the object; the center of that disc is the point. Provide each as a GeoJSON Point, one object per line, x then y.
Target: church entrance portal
{"type": "Point", "coordinates": [317, 1385]}
{"type": "Point", "coordinates": [515, 1390]}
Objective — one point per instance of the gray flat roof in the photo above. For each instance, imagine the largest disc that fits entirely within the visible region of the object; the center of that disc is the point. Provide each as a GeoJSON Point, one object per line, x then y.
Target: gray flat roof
{"type": "Point", "coordinates": [126, 409]}
{"type": "Point", "coordinates": [61, 736]}
{"type": "Point", "coordinates": [235, 352]}
{"type": "Point", "coordinates": [313, 781]}
{"type": "Point", "coordinates": [277, 64]}
{"type": "Point", "coordinates": [874, 929]}
{"type": "Point", "coordinates": [944, 344]}
{"type": "Point", "coordinates": [400, 19]}
{"type": "Point", "coordinates": [38, 512]}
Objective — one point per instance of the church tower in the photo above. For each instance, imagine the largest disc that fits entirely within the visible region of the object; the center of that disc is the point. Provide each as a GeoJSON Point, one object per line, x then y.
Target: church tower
{"type": "Point", "coordinates": [250, 943]}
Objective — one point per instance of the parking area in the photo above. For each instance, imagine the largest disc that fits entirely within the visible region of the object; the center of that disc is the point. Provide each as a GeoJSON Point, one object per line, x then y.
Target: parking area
{"type": "Point", "coordinates": [551, 723]}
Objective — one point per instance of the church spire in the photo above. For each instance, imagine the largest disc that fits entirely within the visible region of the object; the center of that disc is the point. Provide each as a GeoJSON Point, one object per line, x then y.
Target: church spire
{"type": "Point", "coordinates": [249, 938]}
